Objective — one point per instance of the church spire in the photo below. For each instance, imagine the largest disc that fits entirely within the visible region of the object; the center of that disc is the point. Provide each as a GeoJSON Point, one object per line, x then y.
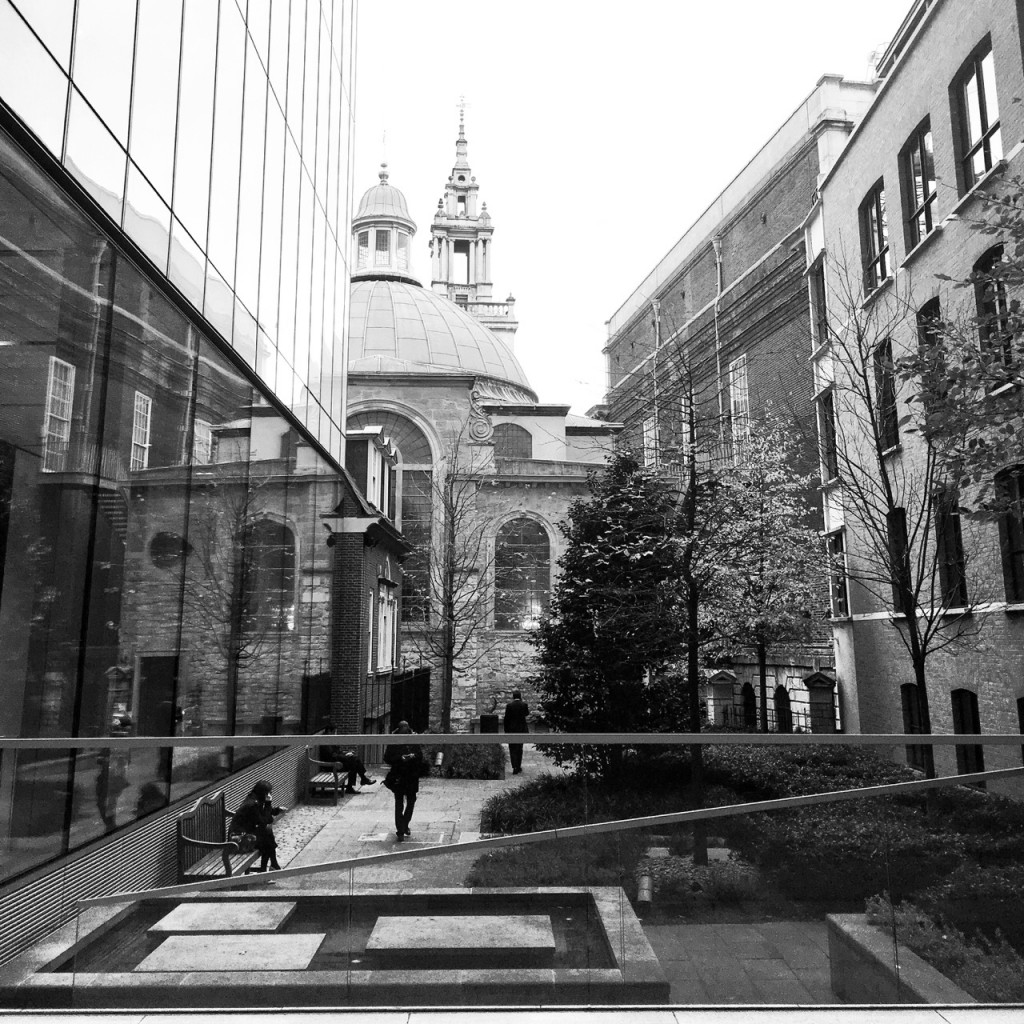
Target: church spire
{"type": "Point", "coordinates": [461, 241]}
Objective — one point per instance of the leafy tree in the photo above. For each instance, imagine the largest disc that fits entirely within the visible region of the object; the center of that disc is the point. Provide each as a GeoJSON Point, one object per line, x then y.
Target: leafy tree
{"type": "Point", "coordinates": [613, 624]}
{"type": "Point", "coordinates": [775, 581]}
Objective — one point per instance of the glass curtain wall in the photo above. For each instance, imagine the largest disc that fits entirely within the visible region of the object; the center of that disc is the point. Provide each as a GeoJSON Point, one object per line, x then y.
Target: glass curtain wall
{"type": "Point", "coordinates": [216, 134]}
{"type": "Point", "coordinates": [163, 571]}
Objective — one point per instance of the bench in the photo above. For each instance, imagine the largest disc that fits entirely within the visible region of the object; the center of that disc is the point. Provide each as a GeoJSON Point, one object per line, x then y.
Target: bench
{"type": "Point", "coordinates": [323, 776]}
{"type": "Point", "coordinates": [204, 847]}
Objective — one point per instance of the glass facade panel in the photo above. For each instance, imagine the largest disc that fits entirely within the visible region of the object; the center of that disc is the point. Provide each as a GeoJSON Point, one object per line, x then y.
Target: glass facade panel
{"type": "Point", "coordinates": [309, 87]}
{"type": "Point", "coordinates": [52, 22]}
{"type": "Point", "coordinates": [296, 60]}
{"type": "Point", "coordinates": [289, 252]}
{"type": "Point", "coordinates": [227, 142]}
{"type": "Point", "coordinates": [104, 44]}
{"type": "Point", "coordinates": [187, 265]}
{"type": "Point", "coordinates": [270, 248]}
{"type": "Point", "coordinates": [279, 51]}
{"type": "Point", "coordinates": [155, 93]}
{"type": "Point", "coordinates": [30, 82]}
{"type": "Point", "coordinates": [147, 218]}
{"type": "Point", "coordinates": [192, 158]}
{"type": "Point", "coordinates": [250, 195]}
{"type": "Point", "coordinates": [95, 158]}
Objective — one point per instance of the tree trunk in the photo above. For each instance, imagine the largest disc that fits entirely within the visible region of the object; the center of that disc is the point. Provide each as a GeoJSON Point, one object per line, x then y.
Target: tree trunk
{"type": "Point", "coordinates": [762, 668]}
{"type": "Point", "coordinates": [700, 835]}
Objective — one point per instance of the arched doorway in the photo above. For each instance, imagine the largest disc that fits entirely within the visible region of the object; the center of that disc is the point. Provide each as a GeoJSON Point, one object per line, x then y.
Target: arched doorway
{"type": "Point", "coordinates": [783, 711]}
{"type": "Point", "coordinates": [749, 705]}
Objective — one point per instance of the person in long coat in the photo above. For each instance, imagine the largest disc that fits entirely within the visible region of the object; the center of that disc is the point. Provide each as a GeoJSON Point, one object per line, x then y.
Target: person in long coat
{"type": "Point", "coordinates": [407, 766]}
{"type": "Point", "coordinates": [256, 816]}
{"type": "Point", "coordinates": [516, 711]}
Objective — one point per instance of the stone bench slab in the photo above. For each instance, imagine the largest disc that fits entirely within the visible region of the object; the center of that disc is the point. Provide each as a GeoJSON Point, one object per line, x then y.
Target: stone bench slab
{"type": "Point", "coordinates": [234, 918]}
{"type": "Point", "coordinates": [465, 934]}
{"type": "Point", "coordinates": [191, 953]}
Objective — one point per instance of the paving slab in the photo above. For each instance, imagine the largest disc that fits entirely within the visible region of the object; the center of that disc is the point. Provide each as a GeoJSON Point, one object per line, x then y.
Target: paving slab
{"type": "Point", "coordinates": [233, 917]}
{"type": "Point", "coordinates": [192, 953]}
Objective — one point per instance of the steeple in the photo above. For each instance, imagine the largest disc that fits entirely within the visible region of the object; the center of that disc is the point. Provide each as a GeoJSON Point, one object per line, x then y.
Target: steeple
{"type": "Point", "coordinates": [461, 238]}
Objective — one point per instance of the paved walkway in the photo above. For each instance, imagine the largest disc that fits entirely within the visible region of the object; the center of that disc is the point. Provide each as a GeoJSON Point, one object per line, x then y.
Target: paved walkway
{"type": "Point", "coordinates": [712, 964]}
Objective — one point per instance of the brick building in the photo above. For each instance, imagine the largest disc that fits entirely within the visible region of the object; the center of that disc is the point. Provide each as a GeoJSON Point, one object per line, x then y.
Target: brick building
{"type": "Point", "coordinates": [433, 369]}
{"type": "Point", "coordinates": [897, 216]}
{"type": "Point", "coordinates": [720, 324]}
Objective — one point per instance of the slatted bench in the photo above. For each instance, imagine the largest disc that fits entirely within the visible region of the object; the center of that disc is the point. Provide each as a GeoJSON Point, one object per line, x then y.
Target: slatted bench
{"type": "Point", "coordinates": [204, 847]}
{"type": "Point", "coordinates": [323, 777]}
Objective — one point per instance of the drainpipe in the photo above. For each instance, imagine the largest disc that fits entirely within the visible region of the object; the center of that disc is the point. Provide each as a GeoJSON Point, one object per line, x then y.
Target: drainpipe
{"type": "Point", "coordinates": [716, 241]}
{"type": "Point", "coordinates": [656, 309]}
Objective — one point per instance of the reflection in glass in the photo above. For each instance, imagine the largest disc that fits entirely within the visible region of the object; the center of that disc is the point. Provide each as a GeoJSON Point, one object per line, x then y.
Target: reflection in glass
{"type": "Point", "coordinates": [155, 92]}
{"type": "Point", "coordinates": [95, 158]}
{"type": "Point", "coordinates": [227, 141]}
{"type": "Point", "coordinates": [192, 162]}
{"type": "Point", "coordinates": [104, 41]}
{"type": "Point", "coordinates": [30, 82]}
{"type": "Point", "coordinates": [316, 298]}
{"type": "Point", "coordinates": [147, 218]}
{"type": "Point", "coordinates": [53, 22]}
{"type": "Point", "coordinates": [245, 334]}
{"type": "Point", "coordinates": [266, 360]}
{"type": "Point", "coordinates": [187, 265]}
{"type": "Point", "coordinates": [218, 302]}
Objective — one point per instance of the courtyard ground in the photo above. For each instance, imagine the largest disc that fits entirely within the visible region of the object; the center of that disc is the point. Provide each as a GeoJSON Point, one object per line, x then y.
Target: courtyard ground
{"type": "Point", "coordinates": [776, 962]}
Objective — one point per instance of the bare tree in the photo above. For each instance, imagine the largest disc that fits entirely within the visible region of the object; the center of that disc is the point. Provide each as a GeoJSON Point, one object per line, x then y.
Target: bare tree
{"type": "Point", "coordinates": [913, 549]}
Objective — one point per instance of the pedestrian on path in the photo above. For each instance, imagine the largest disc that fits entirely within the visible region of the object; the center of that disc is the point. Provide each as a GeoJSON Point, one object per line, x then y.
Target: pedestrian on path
{"type": "Point", "coordinates": [407, 766]}
{"type": "Point", "coordinates": [516, 711]}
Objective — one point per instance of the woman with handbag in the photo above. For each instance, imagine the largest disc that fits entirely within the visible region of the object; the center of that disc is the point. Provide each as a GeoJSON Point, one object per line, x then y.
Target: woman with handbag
{"type": "Point", "coordinates": [256, 817]}
{"type": "Point", "coordinates": [407, 766]}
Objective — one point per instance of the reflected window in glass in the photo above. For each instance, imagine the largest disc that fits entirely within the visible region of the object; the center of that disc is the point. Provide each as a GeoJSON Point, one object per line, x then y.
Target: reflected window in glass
{"type": "Point", "coordinates": [147, 219]}
{"type": "Point", "coordinates": [141, 425]}
{"type": "Point", "coordinates": [60, 394]}
{"type": "Point", "coordinates": [202, 442]}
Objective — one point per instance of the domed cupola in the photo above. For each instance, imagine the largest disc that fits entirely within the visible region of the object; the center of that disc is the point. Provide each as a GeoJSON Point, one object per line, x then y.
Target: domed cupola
{"type": "Point", "coordinates": [382, 233]}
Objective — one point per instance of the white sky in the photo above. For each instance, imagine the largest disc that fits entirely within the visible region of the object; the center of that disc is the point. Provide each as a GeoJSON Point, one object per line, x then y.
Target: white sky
{"type": "Point", "coordinates": [598, 132]}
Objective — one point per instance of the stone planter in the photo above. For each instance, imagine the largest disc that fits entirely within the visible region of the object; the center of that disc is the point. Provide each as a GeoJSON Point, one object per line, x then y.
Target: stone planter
{"type": "Point", "coordinates": [864, 969]}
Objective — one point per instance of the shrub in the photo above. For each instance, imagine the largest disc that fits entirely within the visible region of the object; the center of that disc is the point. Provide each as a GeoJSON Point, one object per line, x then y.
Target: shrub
{"type": "Point", "coordinates": [608, 859]}
{"type": "Point", "coordinates": [990, 970]}
{"type": "Point", "coordinates": [720, 883]}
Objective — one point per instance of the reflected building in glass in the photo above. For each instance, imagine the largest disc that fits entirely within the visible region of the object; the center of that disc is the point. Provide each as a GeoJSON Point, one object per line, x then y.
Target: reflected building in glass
{"type": "Point", "coordinates": [174, 226]}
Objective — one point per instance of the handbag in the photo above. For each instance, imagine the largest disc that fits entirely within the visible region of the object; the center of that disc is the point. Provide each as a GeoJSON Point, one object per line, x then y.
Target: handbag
{"type": "Point", "coordinates": [391, 780]}
{"type": "Point", "coordinates": [246, 842]}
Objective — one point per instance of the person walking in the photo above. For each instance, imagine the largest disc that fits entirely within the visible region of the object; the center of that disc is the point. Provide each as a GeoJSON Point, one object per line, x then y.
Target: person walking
{"type": "Point", "coordinates": [407, 765]}
{"type": "Point", "coordinates": [516, 711]}
{"type": "Point", "coordinates": [256, 816]}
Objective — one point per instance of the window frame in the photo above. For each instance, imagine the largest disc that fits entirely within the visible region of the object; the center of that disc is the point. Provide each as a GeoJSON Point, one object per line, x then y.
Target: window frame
{"type": "Point", "coordinates": [949, 548]}
{"type": "Point", "coordinates": [915, 183]}
{"type": "Point", "coordinates": [649, 429]}
{"type": "Point", "coordinates": [60, 407]}
{"type": "Point", "coordinates": [536, 588]}
{"type": "Point", "coordinates": [202, 442]}
{"type": "Point", "coordinates": [970, 757]}
{"type": "Point", "coordinates": [887, 419]}
{"type": "Point", "coordinates": [898, 541]}
{"type": "Point", "coordinates": [512, 441]}
{"type": "Point", "coordinates": [874, 238]}
{"type": "Point", "coordinates": [828, 436]}
{"type": "Point", "coordinates": [142, 431]}
{"type": "Point", "coordinates": [839, 589]}
{"type": "Point", "coordinates": [996, 330]}
{"type": "Point", "coordinates": [989, 140]}
{"type": "Point", "coordinates": [739, 404]}
{"type": "Point", "coordinates": [818, 295]}
{"type": "Point", "coordinates": [1009, 486]}
{"type": "Point", "coordinates": [382, 254]}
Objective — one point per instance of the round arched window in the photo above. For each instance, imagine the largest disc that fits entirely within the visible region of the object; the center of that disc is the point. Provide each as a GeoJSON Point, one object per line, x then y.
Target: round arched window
{"type": "Point", "coordinates": [522, 574]}
{"type": "Point", "coordinates": [166, 550]}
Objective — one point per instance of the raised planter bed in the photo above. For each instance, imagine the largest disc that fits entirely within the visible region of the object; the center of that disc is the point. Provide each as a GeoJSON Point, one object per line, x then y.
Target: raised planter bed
{"type": "Point", "coordinates": [865, 970]}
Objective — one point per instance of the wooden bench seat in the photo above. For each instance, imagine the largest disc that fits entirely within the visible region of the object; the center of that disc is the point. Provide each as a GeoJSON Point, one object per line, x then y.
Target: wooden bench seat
{"type": "Point", "coordinates": [205, 850]}
{"type": "Point", "coordinates": [323, 777]}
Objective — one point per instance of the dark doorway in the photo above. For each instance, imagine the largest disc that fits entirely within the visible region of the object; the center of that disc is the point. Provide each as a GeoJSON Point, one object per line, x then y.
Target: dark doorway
{"type": "Point", "coordinates": [749, 699]}
{"type": "Point", "coordinates": [156, 712]}
{"type": "Point", "coordinates": [410, 699]}
{"type": "Point", "coordinates": [316, 702]}
{"type": "Point", "coordinates": [969, 757]}
{"type": "Point", "coordinates": [783, 711]}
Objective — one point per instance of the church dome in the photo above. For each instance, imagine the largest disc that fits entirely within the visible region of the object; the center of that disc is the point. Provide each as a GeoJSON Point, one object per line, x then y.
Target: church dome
{"type": "Point", "coordinates": [383, 202]}
{"type": "Point", "coordinates": [398, 327]}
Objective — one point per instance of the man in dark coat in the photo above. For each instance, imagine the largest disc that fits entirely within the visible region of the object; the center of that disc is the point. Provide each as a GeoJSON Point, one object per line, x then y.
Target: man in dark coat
{"type": "Point", "coordinates": [407, 765]}
{"type": "Point", "coordinates": [516, 711]}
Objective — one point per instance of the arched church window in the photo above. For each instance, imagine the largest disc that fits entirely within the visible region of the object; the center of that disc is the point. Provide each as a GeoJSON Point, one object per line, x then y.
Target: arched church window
{"type": "Point", "coordinates": [522, 574]}
{"type": "Point", "coordinates": [267, 586]}
{"type": "Point", "coordinates": [414, 487]}
{"type": "Point", "coordinates": [512, 441]}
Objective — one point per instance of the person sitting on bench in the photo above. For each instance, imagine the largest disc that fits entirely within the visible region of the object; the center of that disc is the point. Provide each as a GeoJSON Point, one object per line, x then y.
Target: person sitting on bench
{"type": "Point", "coordinates": [352, 764]}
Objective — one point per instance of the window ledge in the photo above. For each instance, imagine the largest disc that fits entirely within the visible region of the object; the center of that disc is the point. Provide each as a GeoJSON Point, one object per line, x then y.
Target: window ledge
{"type": "Point", "coordinates": [1014, 607]}
{"type": "Point", "coordinates": [842, 620]}
{"type": "Point", "coordinates": [896, 449]}
{"type": "Point", "coordinates": [873, 296]}
{"type": "Point", "coordinates": [830, 485]}
{"type": "Point", "coordinates": [923, 244]}
{"type": "Point", "coordinates": [960, 612]}
{"type": "Point", "coordinates": [1002, 389]}
{"type": "Point", "coordinates": [973, 192]}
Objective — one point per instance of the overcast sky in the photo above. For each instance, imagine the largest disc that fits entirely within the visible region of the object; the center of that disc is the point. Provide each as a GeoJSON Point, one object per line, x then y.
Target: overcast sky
{"type": "Point", "coordinates": [598, 132]}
